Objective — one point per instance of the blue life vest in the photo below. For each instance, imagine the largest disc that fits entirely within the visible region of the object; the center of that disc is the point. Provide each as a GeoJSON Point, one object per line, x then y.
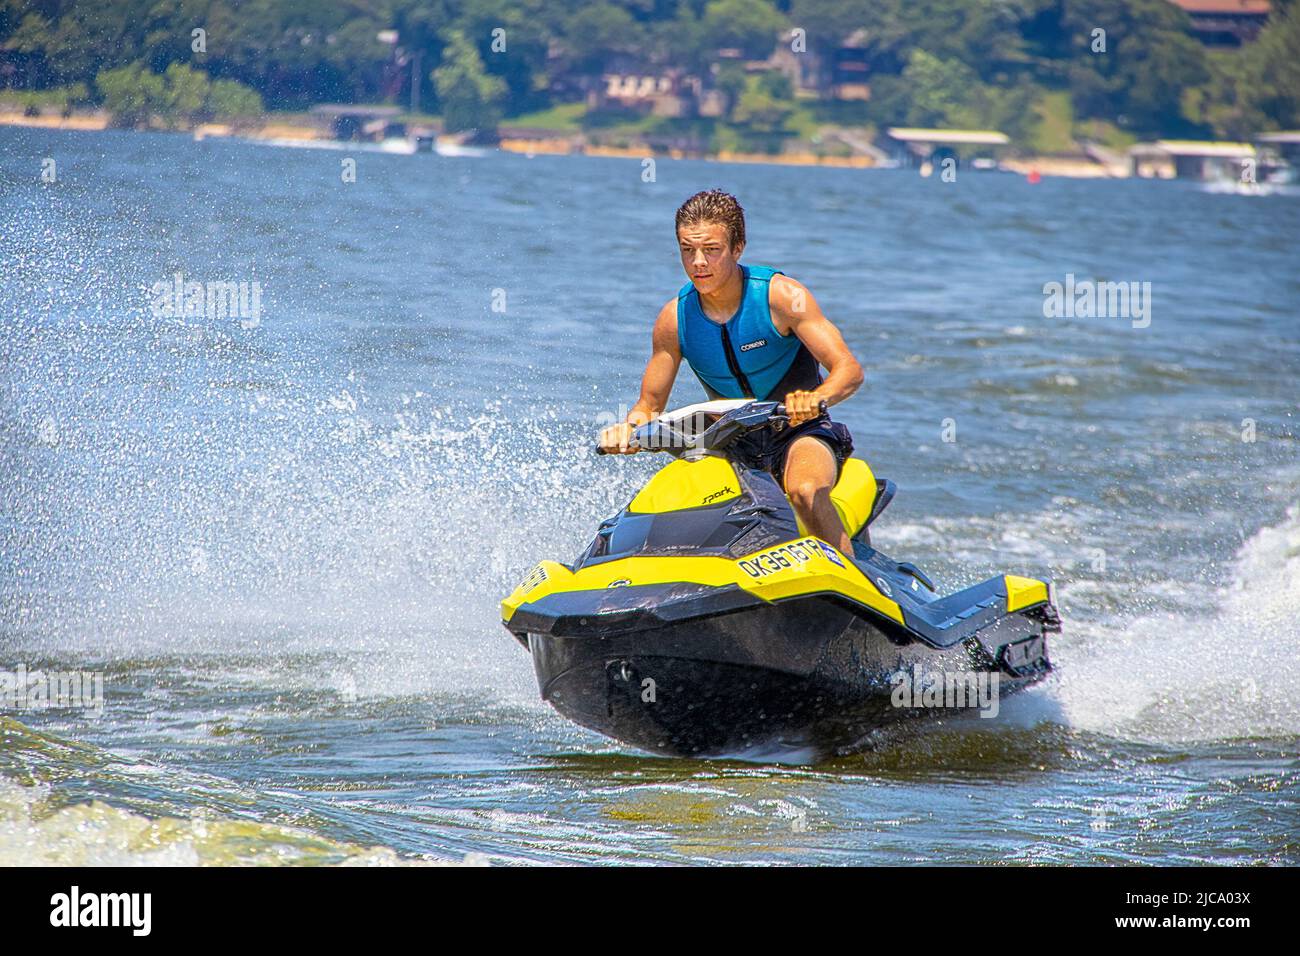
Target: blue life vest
{"type": "Point", "coordinates": [747, 357]}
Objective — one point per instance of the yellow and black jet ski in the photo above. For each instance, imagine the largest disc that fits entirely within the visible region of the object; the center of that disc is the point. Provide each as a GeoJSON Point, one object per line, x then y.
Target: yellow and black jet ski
{"type": "Point", "coordinates": [702, 620]}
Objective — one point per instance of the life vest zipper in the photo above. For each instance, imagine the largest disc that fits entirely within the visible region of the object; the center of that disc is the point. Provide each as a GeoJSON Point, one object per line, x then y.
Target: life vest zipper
{"type": "Point", "coordinates": [734, 365]}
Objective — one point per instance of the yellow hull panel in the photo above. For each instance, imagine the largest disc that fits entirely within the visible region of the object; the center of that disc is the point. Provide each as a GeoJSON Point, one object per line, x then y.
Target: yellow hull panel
{"type": "Point", "coordinates": [1024, 592]}
{"type": "Point", "coordinates": [798, 567]}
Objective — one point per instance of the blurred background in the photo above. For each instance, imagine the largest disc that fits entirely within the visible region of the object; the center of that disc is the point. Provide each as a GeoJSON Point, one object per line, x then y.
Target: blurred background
{"type": "Point", "coordinates": [1078, 87]}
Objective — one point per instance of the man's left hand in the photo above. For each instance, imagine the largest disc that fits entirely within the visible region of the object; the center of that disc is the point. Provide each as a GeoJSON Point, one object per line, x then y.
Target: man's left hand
{"type": "Point", "coordinates": [802, 407]}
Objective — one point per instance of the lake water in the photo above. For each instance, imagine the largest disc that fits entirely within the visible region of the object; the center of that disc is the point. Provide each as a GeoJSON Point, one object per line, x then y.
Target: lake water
{"type": "Point", "coordinates": [282, 538]}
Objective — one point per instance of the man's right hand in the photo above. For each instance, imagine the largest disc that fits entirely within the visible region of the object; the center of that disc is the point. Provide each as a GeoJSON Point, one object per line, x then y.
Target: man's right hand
{"type": "Point", "coordinates": [617, 439]}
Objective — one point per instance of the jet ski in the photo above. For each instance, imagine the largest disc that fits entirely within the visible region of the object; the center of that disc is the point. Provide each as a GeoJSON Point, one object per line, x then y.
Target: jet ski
{"type": "Point", "coordinates": [703, 620]}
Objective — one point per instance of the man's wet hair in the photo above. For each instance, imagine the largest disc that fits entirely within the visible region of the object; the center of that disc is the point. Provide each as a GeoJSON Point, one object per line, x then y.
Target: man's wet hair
{"type": "Point", "coordinates": [716, 206]}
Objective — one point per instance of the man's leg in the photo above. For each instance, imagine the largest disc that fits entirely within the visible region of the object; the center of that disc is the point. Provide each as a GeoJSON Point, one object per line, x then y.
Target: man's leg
{"type": "Point", "coordinates": [810, 472]}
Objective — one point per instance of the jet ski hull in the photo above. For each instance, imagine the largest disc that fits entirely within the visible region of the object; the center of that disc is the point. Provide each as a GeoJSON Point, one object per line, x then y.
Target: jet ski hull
{"type": "Point", "coordinates": [805, 673]}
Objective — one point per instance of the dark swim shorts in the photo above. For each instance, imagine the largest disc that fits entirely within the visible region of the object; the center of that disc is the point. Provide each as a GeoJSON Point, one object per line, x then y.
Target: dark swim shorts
{"type": "Point", "coordinates": [768, 452]}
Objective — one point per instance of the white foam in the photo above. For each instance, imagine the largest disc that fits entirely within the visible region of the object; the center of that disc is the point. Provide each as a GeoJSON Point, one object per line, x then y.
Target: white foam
{"type": "Point", "coordinates": [97, 834]}
{"type": "Point", "coordinates": [1228, 673]}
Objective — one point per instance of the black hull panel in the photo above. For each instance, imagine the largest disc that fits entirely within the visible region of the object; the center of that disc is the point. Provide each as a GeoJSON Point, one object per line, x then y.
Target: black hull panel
{"type": "Point", "coordinates": [806, 673]}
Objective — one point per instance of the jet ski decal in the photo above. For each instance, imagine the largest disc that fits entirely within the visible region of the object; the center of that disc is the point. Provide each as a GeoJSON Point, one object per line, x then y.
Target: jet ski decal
{"type": "Point", "coordinates": [687, 484]}
{"type": "Point", "coordinates": [786, 556]}
{"type": "Point", "coordinates": [535, 577]}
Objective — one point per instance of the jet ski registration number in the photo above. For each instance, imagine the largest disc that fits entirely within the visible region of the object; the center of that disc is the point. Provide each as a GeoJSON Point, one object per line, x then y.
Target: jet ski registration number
{"type": "Point", "coordinates": [790, 555]}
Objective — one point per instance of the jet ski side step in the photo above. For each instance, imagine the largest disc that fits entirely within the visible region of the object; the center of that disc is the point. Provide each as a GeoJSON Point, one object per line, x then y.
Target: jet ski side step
{"type": "Point", "coordinates": [949, 620]}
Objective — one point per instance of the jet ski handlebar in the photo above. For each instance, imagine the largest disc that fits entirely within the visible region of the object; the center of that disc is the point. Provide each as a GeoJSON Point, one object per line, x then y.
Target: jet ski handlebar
{"type": "Point", "coordinates": [728, 420]}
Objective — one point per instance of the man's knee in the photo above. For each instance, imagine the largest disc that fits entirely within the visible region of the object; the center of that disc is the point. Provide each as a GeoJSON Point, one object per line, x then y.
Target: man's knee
{"type": "Point", "coordinates": [804, 494]}
{"type": "Point", "coordinates": [810, 472]}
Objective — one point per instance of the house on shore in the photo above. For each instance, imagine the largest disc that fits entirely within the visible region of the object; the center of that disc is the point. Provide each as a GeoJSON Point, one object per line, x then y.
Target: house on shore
{"type": "Point", "coordinates": [353, 122]}
{"type": "Point", "coordinates": [1201, 160]}
{"type": "Point", "coordinates": [911, 147]}
{"type": "Point", "coordinates": [1226, 23]}
{"type": "Point", "coordinates": [1279, 156]}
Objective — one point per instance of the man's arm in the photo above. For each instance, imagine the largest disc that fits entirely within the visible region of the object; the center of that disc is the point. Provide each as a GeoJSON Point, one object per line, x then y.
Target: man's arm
{"type": "Point", "coordinates": [795, 310]}
{"type": "Point", "coordinates": [656, 383]}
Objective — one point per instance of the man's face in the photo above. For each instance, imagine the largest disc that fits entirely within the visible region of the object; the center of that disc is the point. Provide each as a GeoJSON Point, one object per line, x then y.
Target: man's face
{"type": "Point", "coordinates": [707, 255]}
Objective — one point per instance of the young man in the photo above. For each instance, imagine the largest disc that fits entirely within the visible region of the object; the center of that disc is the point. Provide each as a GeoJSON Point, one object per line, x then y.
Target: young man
{"type": "Point", "coordinates": [752, 332]}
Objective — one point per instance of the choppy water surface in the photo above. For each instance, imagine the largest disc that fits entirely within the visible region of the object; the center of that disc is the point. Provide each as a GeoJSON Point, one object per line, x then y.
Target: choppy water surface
{"type": "Point", "coordinates": [283, 541]}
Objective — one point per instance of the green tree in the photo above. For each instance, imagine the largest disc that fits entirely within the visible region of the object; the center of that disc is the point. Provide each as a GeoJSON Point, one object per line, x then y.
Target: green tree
{"type": "Point", "coordinates": [751, 26]}
{"type": "Point", "coordinates": [765, 109]}
{"type": "Point", "coordinates": [133, 94]}
{"type": "Point", "coordinates": [230, 100]}
{"type": "Point", "coordinates": [679, 40]}
{"type": "Point", "coordinates": [188, 91]}
{"type": "Point", "coordinates": [731, 81]}
{"type": "Point", "coordinates": [598, 31]}
{"type": "Point", "coordinates": [1149, 60]}
{"type": "Point", "coordinates": [1275, 82]}
{"type": "Point", "coordinates": [983, 34]}
{"type": "Point", "coordinates": [419, 24]}
{"type": "Point", "coordinates": [526, 28]}
{"type": "Point", "coordinates": [470, 97]}
{"type": "Point", "coordinates": [941, 91]}
{"type": "Point", "coordinates": [1227, 105]}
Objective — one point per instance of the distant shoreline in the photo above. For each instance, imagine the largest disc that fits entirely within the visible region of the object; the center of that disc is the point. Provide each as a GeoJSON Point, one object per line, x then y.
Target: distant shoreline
{"type": "Point", "coordinates": [271, 128]}
{"type": "Point", "coordinates": [80, 121]}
